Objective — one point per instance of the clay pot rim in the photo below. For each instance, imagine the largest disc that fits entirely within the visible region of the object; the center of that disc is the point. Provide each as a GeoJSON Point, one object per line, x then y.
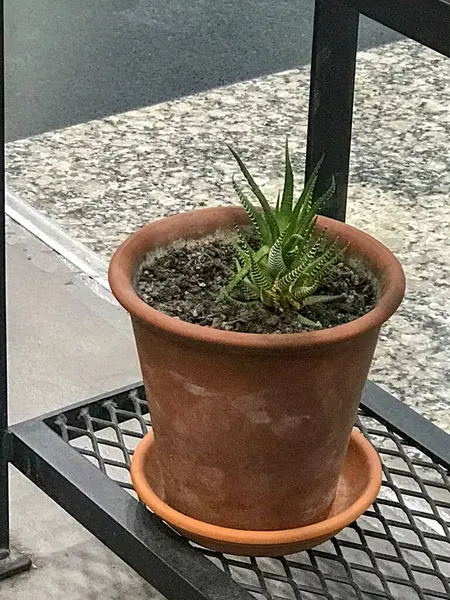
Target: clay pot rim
{"type": "Point", "coordinates": [370, 250]}
{"type": "Point", "coordinates": [251, 537]}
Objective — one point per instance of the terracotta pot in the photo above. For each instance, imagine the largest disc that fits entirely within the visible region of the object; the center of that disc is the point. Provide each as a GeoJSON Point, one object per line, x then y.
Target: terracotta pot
{"type": "Point", "coordinates": [359, 484]}
{"type": "Point", "coordinates": [251, 430]}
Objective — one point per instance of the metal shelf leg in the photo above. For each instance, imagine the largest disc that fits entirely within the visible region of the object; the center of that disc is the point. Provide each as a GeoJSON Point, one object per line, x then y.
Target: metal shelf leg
{"type": "Point", "coordinates": [331, 98]}
{"type": "Point", "coordinates": [11, 562]}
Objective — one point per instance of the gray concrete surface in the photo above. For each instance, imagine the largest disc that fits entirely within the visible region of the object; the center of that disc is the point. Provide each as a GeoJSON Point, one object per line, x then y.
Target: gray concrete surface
{"type": "Point", "coordinates": [78, 60]}
{"type": "Point", "coordinates": [66, 343]}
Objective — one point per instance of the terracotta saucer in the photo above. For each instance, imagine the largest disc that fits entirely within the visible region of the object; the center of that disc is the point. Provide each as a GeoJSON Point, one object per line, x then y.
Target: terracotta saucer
{"type": "Point", "coordinates": [359, 484]}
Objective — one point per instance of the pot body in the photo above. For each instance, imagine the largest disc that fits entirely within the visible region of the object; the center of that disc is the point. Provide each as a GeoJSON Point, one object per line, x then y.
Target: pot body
{"type": "Point", "coordinates": [251, 430]}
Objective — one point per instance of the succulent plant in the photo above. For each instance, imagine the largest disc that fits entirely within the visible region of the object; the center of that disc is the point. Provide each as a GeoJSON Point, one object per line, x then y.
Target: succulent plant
{"type": "Point", "coordinates": [293, 257]}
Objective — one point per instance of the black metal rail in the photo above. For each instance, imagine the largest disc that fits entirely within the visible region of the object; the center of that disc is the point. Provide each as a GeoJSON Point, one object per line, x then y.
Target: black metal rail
{"type": "Point", "coordinates": [117, 519]}
{"type": "Point", "coordinates": [331, 99]}
{"type": "Point", "coordinates": [11, 562]}
{"type": "Point", "coordinates": [333, 63]}
{"type": "Point", "coordinates": [425, 21]}
{"type": "Point", "coordinates": [4, 502]}
{"type": "Point", "coordinates": [399, 549]}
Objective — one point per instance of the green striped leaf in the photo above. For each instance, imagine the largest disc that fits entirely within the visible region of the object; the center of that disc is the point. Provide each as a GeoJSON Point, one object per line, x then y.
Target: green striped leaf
{"type": "Point", "coordinates": [275, 261]}
{"type": "Point", "coordinates": [320, 299]}
{"type": "Point", "coordinates": [288, 191]}
{"type": "Point", "coordinates": [290, 278]}
{"type": "Point", "coordinates": [304, 203]}
{"type": "Point", "coordinates": [267, 210]}
{"type": "Point", "coordinates": [315, 266]}
{"type": "Point", "coordinates": [254, 215]}
{"type": "Point", "coordinates": [303, 292]}
{"type": "Point", "coordinates": [323, 200]}
{"type": "Point", "coordinates": [258, 277]}
{"type": "Point", "coordinates": [294, 257]}
{"type": "Point", "coordinates": [251, 291]}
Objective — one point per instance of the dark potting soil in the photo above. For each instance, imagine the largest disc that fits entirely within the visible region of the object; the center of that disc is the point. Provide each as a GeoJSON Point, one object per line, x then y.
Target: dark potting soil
{"type": "Point", "coordinates": [185, 280]}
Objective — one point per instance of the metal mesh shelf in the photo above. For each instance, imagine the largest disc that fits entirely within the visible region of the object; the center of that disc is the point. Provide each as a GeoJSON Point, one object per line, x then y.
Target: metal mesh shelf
{"type": "Point", "coordinates": [399, 549]}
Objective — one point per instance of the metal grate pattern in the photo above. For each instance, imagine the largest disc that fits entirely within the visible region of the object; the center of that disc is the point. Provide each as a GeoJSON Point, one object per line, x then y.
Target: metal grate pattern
{"type": "Point", "coordinates": [398, 550]}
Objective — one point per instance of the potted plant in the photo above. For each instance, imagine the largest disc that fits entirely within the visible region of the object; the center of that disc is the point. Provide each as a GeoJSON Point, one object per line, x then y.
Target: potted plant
{"type": "Point", "coordinates": [255, 329]}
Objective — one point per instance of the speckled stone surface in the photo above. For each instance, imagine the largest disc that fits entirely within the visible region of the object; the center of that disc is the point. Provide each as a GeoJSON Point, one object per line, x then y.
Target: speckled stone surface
{"type": "Point", "coordinates": [101, 180]}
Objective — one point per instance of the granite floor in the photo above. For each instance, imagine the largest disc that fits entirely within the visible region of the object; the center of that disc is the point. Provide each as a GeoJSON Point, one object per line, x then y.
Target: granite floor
{"type": "Point", "coordinates": [102, 179]}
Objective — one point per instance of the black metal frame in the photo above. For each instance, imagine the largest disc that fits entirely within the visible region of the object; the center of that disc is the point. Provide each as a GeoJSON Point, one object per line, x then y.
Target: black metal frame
{"type": "Point", "coordinates": [333, 74]}
{"type": "Point", "coordinates": [117, 519]}
{"type": "Point", "coordinates": [4, 506]}
{"type": "Point", "coordinates": [151, 548]}
{"type": "Point", "coordinates": [11, 562]}
{"type": "Point", "coordinates": [42, 453]}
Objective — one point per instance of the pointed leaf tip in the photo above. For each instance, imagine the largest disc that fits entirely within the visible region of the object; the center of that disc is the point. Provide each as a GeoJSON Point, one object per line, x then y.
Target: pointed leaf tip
{"type": "Point", "coordinates": [288, 191]}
